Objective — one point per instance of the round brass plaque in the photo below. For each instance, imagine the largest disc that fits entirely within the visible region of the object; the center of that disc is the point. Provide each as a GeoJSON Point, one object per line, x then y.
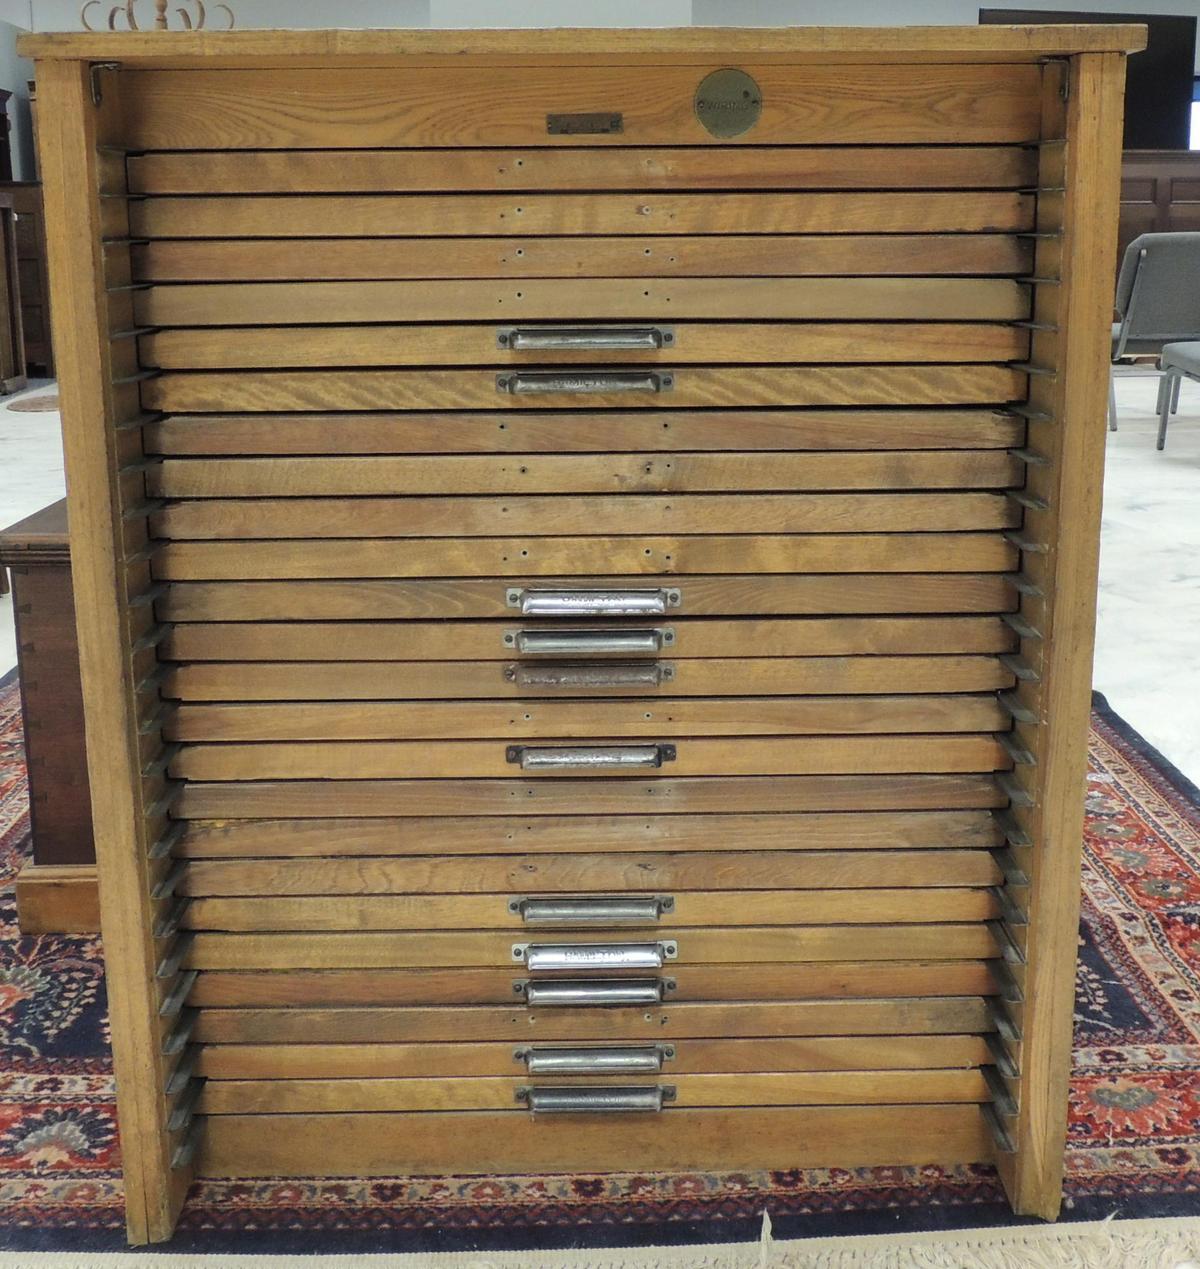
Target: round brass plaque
{"type": "Point", "coordinates": [728, 102]}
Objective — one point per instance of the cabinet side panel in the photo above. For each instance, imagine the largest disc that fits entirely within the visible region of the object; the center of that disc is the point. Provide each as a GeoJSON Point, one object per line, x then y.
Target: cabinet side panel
{"type": "Point", "coordinates": [1078, 215]}
{"type": "Point", "coordinates": [103, 452]}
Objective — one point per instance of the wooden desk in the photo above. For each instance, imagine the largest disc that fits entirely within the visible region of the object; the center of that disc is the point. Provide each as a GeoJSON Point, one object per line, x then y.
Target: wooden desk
{"type": "Point", "coordinates": [56, 890]}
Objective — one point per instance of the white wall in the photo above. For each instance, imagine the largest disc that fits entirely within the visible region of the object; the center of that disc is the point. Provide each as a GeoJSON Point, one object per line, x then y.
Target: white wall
{"type": "Point", "coordinates": [908, 12]}
{"type": "Point", "coordinates": [63, 15]}
{"type": "Point", "coordinates": [15, 74]}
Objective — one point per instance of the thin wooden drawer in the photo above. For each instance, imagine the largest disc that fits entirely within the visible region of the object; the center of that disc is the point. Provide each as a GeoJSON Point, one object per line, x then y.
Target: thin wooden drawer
{"type": "Point", "coordinates": [396, 720]}
{"type": "Point", "coordinates": [437, 215]}
{"type": "Point", "coordinates": [756, 981]}
{"type": "Point", "coordinates": [608, 299]}
{"type": "Point", "coordinates": [832, 343]}
{"type": "Point", "coordinates": [970, 552]}
{"type": "Point", "coordinates": [947, 899]}
{"type": "Point", "coordinates": [257, 799]}
{"type": "Point", "coordinates": [617, 256]}
{"type": "Point", "coordinates": [347, 839]}
{"type": "Point", "coordinates": [736, 514]}
{"type": "Point", "coordinates": [927, 1015]}
{"type": "Point", "coordinates": [680, 1140]}
{"type": "Point", "coordinates": [577, 431]}
{"type": "Point", "coordinates": [626, 167]}
{"type": "Point", "coordinates": [686, 756]}
{"type": "Point", "coordinates": [470, 388]}
{"type": "Point", "coordinates": [618, 474]}
{"type": "Point", "coordinates": [919, 938]}
{"type": "Point", "coordinates": [441, 680]}
{"type": "Point", "coordinates": [826, 1088]}
{"type": "Point", "coordinates": [691, 1057]}
{"type": "Point", "coordinates": [746, 868]}
{"type": "Point", "coordinates": [438, 597]}
{"type": "Point", "coordinates": [343, 642]}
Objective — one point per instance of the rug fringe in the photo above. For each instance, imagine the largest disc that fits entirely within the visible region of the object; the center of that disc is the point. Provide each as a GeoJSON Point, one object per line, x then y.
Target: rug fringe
{"type": "Point", "coordinates": [1166, 1243]}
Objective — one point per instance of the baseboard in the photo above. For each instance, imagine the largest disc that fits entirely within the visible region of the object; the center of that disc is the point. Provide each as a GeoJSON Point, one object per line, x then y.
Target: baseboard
{"type": "Point", "coordinates": [57, 899]}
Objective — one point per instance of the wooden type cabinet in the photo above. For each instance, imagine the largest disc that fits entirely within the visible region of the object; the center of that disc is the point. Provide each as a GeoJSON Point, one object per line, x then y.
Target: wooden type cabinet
{"type": "Point", "coordinates": [585, 552]}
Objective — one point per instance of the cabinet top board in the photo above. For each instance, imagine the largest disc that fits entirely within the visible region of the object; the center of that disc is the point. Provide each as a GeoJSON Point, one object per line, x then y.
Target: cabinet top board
{"type": "Point", "coordinates": [570, 46]}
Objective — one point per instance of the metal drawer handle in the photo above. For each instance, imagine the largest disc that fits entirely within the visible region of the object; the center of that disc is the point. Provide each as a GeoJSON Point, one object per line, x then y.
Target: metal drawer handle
{"type": "Point", "coordinates": [588, 758]}
{"type": "Point", "coordinates": [645, 674]}
{"type": "Point", "coordinates": [639, 1059]}
{"type": "Point", "coordinates": [545, 338]}
{"type": "Point", "coordinates": [536, 382]}
{"type": "Point", "coordinates": [608, 1100]}
{"type": "Point", "coordinates": [551, 957]}
{"type": "Point", "coordinates": [585, 642]}
{"type": "Point", "coordinates": [649, 602]}
{"type": "Point", "coordinates": [575, 993]}
{"type": "Point", "coordinates": [593, 909]}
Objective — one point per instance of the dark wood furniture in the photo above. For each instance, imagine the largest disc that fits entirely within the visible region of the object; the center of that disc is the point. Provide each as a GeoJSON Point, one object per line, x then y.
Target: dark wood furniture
{"type": "Point", "coordinates": [32, 277]}
{"type": "Point", "coordinates": [5, 136]}
{"type": "Point", "coordinates": [1160, 192]}
{"type": "Point", "coordinates": [12, 352]}
{"type": "Point", "coordinates": [57, 889]}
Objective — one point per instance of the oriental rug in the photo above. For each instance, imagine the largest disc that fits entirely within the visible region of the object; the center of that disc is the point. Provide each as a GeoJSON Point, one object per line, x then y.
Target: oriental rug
{"type": "Point", "coordinates": [1134, 1149]}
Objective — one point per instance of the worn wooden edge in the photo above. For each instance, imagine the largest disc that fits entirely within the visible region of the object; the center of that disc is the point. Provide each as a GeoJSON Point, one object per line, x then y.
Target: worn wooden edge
{"type": "Point", "coordinates": [57, 899]}
{"type": "Point", "coordinates": [688, 1140]}
{"type": "Point", "coordinates": [1033, 1176]}
{"type": "Point", "coordinates": [573, 46]}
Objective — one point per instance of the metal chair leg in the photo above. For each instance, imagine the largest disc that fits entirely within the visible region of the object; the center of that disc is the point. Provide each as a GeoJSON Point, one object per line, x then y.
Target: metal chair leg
{"type": "Point", "coordinates": [1170, 390]}
{"type": "Point", "coordinates": [1175, 394]}
{"type": "Point", "coordinates": [1164, 383]}
{"type": "Point", "coordinates": [1112, 400]}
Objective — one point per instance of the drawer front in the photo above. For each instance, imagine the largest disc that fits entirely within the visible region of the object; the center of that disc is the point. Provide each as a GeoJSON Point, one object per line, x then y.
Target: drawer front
{"type": "Point", "coordinates": [537, 996]}
{"type": "Point", "coordinates": [586, 568]}
{"type": "Point", "coordinates": [695, 1056]}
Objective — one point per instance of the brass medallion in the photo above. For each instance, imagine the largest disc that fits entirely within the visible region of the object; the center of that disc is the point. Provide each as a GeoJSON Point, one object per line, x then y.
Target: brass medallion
{"type": "Point", "coordinates": [728, 102]}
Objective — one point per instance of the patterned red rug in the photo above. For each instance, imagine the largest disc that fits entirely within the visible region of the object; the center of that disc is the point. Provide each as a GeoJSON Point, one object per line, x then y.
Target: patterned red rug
{"type": "Point", "coordinates": [1135, 1101]}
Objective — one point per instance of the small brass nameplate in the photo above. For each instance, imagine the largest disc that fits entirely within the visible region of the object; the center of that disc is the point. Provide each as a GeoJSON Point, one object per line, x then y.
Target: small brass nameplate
{"type": "Point", "coordinates": [585, 125]}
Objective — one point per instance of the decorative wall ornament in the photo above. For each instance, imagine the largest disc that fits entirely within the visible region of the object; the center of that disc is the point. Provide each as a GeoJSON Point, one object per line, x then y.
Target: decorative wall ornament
{"type": "Point", "coordinates": [193, 15]}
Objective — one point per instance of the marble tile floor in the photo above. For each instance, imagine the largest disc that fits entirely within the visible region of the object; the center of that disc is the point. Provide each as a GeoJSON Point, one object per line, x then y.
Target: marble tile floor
{"type": "Point", "coordinates": [1148, 638]}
